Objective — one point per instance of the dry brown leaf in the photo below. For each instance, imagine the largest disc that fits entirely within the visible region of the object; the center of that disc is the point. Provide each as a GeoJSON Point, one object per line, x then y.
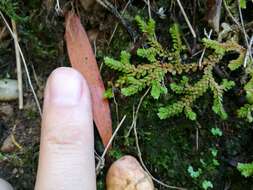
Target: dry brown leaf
{"type": "Point", "coordinates": [82, 58]}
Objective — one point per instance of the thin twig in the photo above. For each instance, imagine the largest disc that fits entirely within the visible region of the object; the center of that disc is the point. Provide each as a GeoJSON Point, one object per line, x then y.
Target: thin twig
{"type": "Point", "coordinates": [241, 27]}
{"type": "Point", "coordinates": [149, 10]}
{"type": "Point", "coordinates": [58, 7]}
{"type": "Point", "coordinates": [204, 51]}
{"type": "Point", "coordinates": [18, 65]}
{"type": "Point", "coordinates": [24, 63]}
{"type": "Point", "coordinates": [117, 24]}
{"type": "Point", "coordinates": [107, 5]}
{"type": "Point", "coordinates": [101, 161]}
{"type": "Point", "coordinates": [35, 76]}
{"type": "Point", "coordinates": [186, 18]}
{"type": "Point", "coordinates": [230, 14]}
{"type": "Point", "coordinates": [133, 126]}
{"type": "Point", "coordinates": [135, 116]}
{"type": "Point", "coordinates": [144, 166]}
{"type": "Point", "coordinates": [242, 23]}
{"type": "Point", "coordinates": [248, 53]}
{"type": "Point", "coordinates": [116, 108]}
{"type": "Point", "coordinates": [245, 36]}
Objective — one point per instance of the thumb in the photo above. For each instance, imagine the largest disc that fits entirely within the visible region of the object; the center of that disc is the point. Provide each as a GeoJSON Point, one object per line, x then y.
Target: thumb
{"type": "Point", "coordinates": [66, 158]}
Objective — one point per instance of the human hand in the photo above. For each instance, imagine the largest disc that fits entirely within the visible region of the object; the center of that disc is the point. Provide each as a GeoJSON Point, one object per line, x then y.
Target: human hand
{"type": "Point", "coordinates": [66, 158]}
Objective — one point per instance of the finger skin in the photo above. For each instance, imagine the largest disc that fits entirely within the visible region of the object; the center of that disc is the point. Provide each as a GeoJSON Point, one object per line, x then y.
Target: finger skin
{"type": "Point", "coordinates": [67, 143]}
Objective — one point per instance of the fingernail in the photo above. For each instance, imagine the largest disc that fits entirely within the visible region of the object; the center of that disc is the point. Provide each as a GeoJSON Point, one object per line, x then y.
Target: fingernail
{"type": "Point", "coordinates": [65, 87]}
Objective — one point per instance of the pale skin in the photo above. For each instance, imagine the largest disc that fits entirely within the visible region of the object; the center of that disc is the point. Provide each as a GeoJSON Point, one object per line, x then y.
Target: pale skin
{"type": "Point", "coordinates": [66, 158]}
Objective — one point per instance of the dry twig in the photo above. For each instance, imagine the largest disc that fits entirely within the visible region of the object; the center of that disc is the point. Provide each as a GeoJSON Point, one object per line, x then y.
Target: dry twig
{"type": "Point", "coordinates": [204, 51]}
{"type": "Point", "coordinates": [231, 15]}
{"type": "Point", "coordinates": [133, 126]}
{"type": "Point", "coordinates": [135, 113]}
{"type": "Point", "coordinates": [107, 5]}
{"type": "Point", "coordinates": [249, 53]}
{"type": "Point", "coordinates": [145, 168]}
{"type": "Point", "coordinates": [186, 19]}
{"type": "Point", "coordinates": [18, 65]}
{"type": "Point", "coordinates": [116, 26]}
{"type": "Point", "coordinates": [101, 159]}
{"type": "Point", "coordinates": [58, 7]}
{"type": "Point", "coordinates": [24, 63]}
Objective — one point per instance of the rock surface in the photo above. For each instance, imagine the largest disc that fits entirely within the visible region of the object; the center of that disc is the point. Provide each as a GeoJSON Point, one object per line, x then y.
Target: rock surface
{"type": "Point", "coordinates": [127, 174]}
{"type": "Point", "coordinates": [8, 89]}
{"type": "Point", "coordinates": [4, 185]}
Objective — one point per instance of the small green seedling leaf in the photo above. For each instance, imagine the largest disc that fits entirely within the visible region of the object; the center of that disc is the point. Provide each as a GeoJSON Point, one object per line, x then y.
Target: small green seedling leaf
{"type": "Point", "coordinates": [194, 174]}
{"type": "Point", "coordinates": [216, 132]}
{"type": "Point", "coordinates": [246, 169]}
{"type": "Point", "coordinates": [214, 152]}
{"type": "Point", "coordinates": [207, 184]}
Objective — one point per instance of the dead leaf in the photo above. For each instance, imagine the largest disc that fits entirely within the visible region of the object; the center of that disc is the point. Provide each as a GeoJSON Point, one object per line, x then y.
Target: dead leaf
{"type": "Point", "coordinates": [82, 58]}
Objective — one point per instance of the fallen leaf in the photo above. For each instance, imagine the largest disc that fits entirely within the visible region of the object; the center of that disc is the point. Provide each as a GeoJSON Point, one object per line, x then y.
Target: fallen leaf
{"type": "Point", "coordinates": [82, 58]}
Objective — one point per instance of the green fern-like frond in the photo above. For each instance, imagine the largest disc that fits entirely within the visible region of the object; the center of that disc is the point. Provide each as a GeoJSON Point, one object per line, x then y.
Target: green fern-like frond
{"type": "Point", "coordinates": [148, 53]}
{"type": "Point", "coordinates": [172, 110]}
{"type": "Point", "coordinates": [123, 65]}
{"type": "Point", "coordinates": [218, 91]}
{"type": "Point", "coordinates": [192, 93]}
{"type": "Point", "coordinates": [160, 61]}
{"type": "Point", "coordinates": [157, 89]}
{"type": "Point", "coordinates": [117, 65]}
{"type": "Point", "coordinates": [125, 57]}
{"type": "Point", "coordinates": [146, 27]}
{"type": "Point", "coordinates": [180, 87]}
{"type": "Point", "coordinates": [10, 8]}
{"type": "Point", "coordinates": [235, 64]}
{"type": "Point", "coordinates": [176, 38]}
{"type": "Point", "coordinates": [222, 48]}
{"type": "Point", "coordinates": [227, 85]}
{"type": "Point", "coordinates": [133, 87]}
{"type": "Point", "coordinates": [177, 45]}
{"type": "Point", "coordinates": [216, 46]}
{"type": "Point", "coordinates": [186, 102]}
{"type": "Point", "coordinates": [245, 112]}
